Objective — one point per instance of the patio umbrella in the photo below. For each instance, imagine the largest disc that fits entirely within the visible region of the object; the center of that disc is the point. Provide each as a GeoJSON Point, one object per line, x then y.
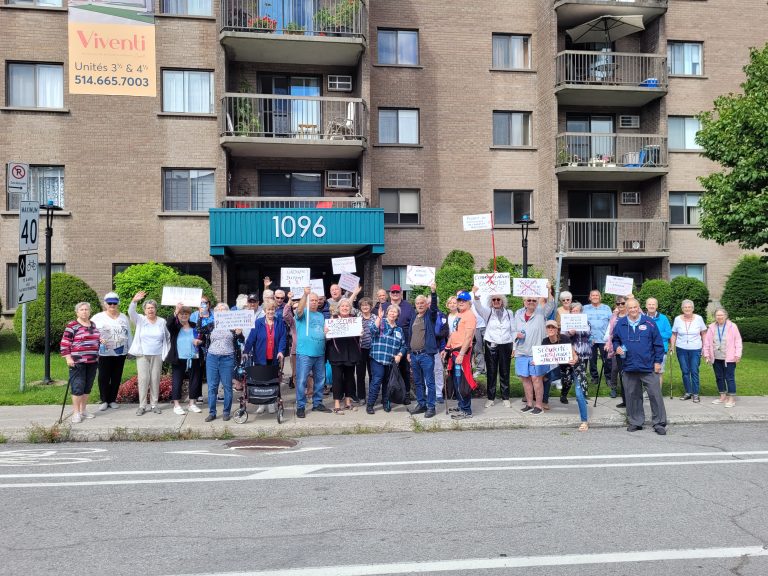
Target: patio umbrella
{"type": "Point", "coordinates": [606, 29]}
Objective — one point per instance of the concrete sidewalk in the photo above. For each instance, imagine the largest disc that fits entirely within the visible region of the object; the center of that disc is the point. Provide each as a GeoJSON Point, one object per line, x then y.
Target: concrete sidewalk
{"type": "Point", "coordinates": [16, 422]}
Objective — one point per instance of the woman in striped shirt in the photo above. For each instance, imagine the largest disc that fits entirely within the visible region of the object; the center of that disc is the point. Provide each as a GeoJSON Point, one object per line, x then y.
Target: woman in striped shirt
{"type": "Point", "coordinates": [80, 348]}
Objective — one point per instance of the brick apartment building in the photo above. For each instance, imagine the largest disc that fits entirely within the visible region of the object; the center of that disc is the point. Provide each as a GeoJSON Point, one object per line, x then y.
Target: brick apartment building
{"type": "Point", "coordinates": [286, 132]}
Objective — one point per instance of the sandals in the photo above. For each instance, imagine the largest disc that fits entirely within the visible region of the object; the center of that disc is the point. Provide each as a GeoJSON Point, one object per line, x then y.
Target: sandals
{"type": "Point", "coordinates": [350, 407]}
{"type": "Point", "coordinates": [583, 427]}
{"type": "Point", "coordinates": [339, 411]}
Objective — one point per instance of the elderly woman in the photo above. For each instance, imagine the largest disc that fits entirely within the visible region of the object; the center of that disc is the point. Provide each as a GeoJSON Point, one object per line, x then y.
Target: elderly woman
{"type": "Point", "coordinates": [290, 322]}
{"type": "Point", "coordinates": [115, 330]}
{"type": "Point", "coordinates": [266, 343]}
{"type": "Point", "coordinates": [223, 347]}
{"type": "Point", "coordinates": [688, 332]}
{"type": "Point", "coordinates": [80, 348]}
{"type": "Point", "coordinates": [722, 348]}
{"type": "Point", "coordinates": [183, 358]}
{"type": "Point", "coordinates": [343, 354]}
{"type": "Point", "coordinates": [566, 300]}
{"type": "Point", "coordinates": [151, 343]}
{"type": "Point", "coordinates": [364, 364]}
{"type": "Point", "coordinates": [387, 349]}
{"type": "Point", "coordinates": [497, 341]}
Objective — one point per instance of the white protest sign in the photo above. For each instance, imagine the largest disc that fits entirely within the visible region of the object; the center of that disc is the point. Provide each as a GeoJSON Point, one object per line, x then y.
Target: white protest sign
{"type": "Point", "coordinates": [343, 327]}
{"type": "Point", "coordinates": [618, 285]}
{"type": "Point", "coordinates": [233, 319]}
{"type": "Point", "coordinates": [172, 295]}
{"type": "Point", "coordinates": [554, 354]}
{"type": "Point", "coordinates": [576, 322]}
{"type": "Point", "coordinates": [348, 282]}
{"type": "Point", "coordinates": [535, 287]}
{"type": "Point", "coordinates": [498, 283]}
{"type": "Point", "coordinates": [317, 287]}
{"type": "Point", "coordinates": [477, 222]}
{"type": "Point", "coordinates": [419, 275]}
{"type": "Point", "coordinates": [294, 278]}
{"type": "Point", "coordinates": [346, 264]}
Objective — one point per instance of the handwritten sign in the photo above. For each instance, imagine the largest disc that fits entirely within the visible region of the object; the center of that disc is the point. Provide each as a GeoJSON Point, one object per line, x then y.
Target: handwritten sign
{"type": "Point", "coordinates": [233, 319]}
{"type": "Point", "coordinates": [342, 265]}
{"type": "Point", "coordinates": [618, 285]}
{"type": "Point", "coordinates": [317, 286]}
{"type": "Point", "coordinates": [172, 295]}
{"type": "Point", "coordinates": [419, 275]}
{"type": "Point", "coordinates": [348, 282]}
{"type": "Point", "coordinates": [533, 287]}
{"type": "Point", "coordinates": [498, 283]}
{"type": "Point", "coordinates": [294, 278]}
{"type": "Point", "coordinates": [344, 327]}
{"type": "Point", "coordinates": [477, 222]}
{"type": "Point", "coordinates": [554, 354]}
{"type": "Point", "coordinates": [576, 322]}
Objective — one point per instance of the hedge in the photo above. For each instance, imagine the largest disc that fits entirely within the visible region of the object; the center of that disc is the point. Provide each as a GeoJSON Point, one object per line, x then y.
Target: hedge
{"type": "Point", "coordinates": [693, 289]}
{"type": "Point", "coordinates": [746, 289]}
{"type": "Point", "coordinates": [662, 291]}
{"type": "Point", "coordinates": [753, 329]}
{"type": "Point", "coordinates": [459, 258]}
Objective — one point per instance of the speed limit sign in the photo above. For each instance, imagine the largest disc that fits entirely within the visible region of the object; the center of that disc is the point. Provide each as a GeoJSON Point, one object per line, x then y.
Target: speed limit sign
{"type": "Point", "coordinates": [29, 225]}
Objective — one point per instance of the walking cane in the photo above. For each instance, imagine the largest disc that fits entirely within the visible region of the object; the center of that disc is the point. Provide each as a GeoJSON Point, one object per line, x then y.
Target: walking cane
{"type": "Point", "coordinates": [599, 379]}
{"type": "Point", "coordinates": [670, 375]}
{"type": "Point", "coordinates": [66, 391]}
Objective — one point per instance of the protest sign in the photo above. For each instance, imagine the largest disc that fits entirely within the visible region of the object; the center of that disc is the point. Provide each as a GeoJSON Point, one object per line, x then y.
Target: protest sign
{"type": "Point", "coordinates": [554, 354]}
{"type": "Point", "coordinates": [419, 275]}
{"type": "Point", "coordinates": [317, 287]}
{"type": "Point", "coordinates": [576, 322]}
{"type": "Point", "coordinates": [233, 319]}
{"type": "Point", "coordinates": [172, 295]}
{"type": "Point", "coordinates": [618, 285]}
{"type": "Point", "coordinates": [530, 287]}
{"type": "Point", "coordinates": [294, 278]}
{"type": "Point", "coordinates": [348, 282]}
{"type": "Point", "coordinates": [490, 283]}
{"type": "Point", "coordinates": [343, 327]}
{"type": "Point", "coordinates": [341, 265]}
{"type": "Point", "coordinates": [477, 222]}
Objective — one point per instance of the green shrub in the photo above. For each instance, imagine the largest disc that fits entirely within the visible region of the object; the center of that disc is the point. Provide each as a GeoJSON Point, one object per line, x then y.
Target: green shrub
{"type": "Point", "coordinates": [746, 290]}
{"type": "Point", "coordinates": [66, 292]}
{"type": "Point", "coordinates": [753, 329]}
{"type": "Point", "coordinates": [459, 258]}
{"type": "Point", "coordinates": [693, 289]}
{"type": "Point", "coordinates": [659, 289]}
{"type": "Point", "coordinates": [451, 279]}
{"type": "Point", "coordinates": [150, 277]}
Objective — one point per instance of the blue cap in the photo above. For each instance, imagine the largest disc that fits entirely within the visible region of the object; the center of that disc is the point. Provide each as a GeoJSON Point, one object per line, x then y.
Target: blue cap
{"type": "Point", "coordinates": [464, 295]}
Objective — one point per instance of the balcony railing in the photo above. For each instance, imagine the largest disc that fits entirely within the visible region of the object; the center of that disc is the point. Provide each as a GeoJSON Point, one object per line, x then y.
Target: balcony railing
{"type": "Point", "coordinates": [611, 69]}
{"type": "Point", "coordinates": [342, 18]}
{"type": "Point", "coordinates": [300, 117]}
{"type": "Point", "coordinates": [610, 150]}
{"type": "Point", "coordinates": [613, 235]}
{"type": "Point", "coordinates": [276, 202]}
{"type": "Point", "coordinates": [620, 3]}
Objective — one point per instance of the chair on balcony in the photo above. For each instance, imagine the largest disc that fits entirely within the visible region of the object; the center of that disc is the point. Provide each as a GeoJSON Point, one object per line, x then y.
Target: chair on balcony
{"type": "Point", "coordinates": [342, 128]}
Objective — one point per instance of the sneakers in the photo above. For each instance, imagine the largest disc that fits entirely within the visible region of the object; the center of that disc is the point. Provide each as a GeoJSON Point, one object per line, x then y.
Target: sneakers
{"type": "Point", "coordinates": [430, 413]}
{"type": "Point", "coordinates": [140, 411]}
{"type": "Point", "coordinates": [686, 396]}
{"type": "Point", "coordinates": [526, 408]}
{"type": "Point", "coordinates": [632, 428]}
{"type": "Point", "coordinates": [369, 409]}
{"type": "Point", "coordinates": [461, 415]}
{"type": "Point", "coordinates": [730, 404]}
{"type": "Point", "coordinates": [76, 418]}
{"type": "Point", "coordinates": [300, 413]}
{"type": "Point", "coordinates": [271, 409]}
{"type": "Point", "coordinates": [103, 406]}
{"type": "Point", "coordinates": [696, 398]}
{"type": "Point", "coordinates": [156, 410]}
{"type": "Point", "coordinates": [563, 399]}
{"type": "Point", "coordinates": [419, 409]}
{"type": "Point", "coordinates": [536, 411]}
{"type": "Point", "coordinates": [717, 401]}
{"type": "Point", "coordinates": [660, 430]}
{"type": "Point", "coordinates": [490, 403]}
{"type": "Point", "coordinates": [260, 409]}
{"type": "Point", "coordinates": [114, 405]}
{"type": "Point", "coordinates": [321, 408]}
{"type": "Point", "coordinates": [507, 404]}
{"type": "Point", "coordinates": [179, 410]}
{"type": "Point", "coordinates": [210, 418]}
{"type": "Point", "coordinates": [226, 417]}
{"type": "Point", "coordinates": [86, 415]}
{"type": "Point", "coordinates": [194, 408]}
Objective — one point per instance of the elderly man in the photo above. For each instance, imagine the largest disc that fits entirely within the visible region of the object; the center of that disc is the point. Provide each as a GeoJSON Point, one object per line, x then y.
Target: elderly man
{"type": "Point", "coordinates": [598, 317]}
{"type": "Point", "coordinates": [458, 350]}
{"type": "Point", "coordinates": [637, 340]}
{"type": "Point", "coordinates": [498, 338]}
{"type": "Point", "coordinates": [421, 348]}
{"type": "Point", "coordinates": [310, 353]}
{"type": "Point", "coordinates": [403, 320]}
{"type": "Point", "coordinates": [665, 329]}
{"type": "Point", "coordinates": [253, 304]}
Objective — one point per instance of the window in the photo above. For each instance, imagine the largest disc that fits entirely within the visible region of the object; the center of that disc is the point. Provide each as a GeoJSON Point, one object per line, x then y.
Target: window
{"type": "Point", "coordinates": [188, 190]}
{"type": "Point", "coordinates": [400, 47]}
{"type": "Point", "coordinates": [682, 132]}
{"type": "Point", "coordinates": [188, 7]}
{"type": "Point", "coordinates": [188, 91]}
{"type": "Point", "coordinates": [684, 58]}
{"type": "Point", "coordinates": [400, 206]}
{"type": "Point", "coordinates": [12, 274]}
{"type": "Point", "coordinates": [290, 184]}
{"type": "Point", "coordinates": [36, 85]}
{"type": "Point", "coordinates": [690, 270]}
{"type": "Point", "coordinates": [684, 208]}
{"type": "Point", "coordinates": [395, 275]}
{"type": "Point", "coordinates": [511, 51]}
{"type": "Point", "coordinates": [45, 183]}
{"type": "Point", "coordinates": [40, 3]}
{"type": "Point", "coordinates": [510, 206]}
{"type": "Point", "coordinates": [511, 128]}
{"type": "Point", "coordinates": [398, 126]}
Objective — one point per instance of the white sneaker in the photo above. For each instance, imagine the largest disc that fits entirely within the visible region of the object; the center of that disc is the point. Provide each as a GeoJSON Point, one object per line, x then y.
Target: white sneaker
{"type": "Point", "coordinates": [114, 405]}
{"type": "Point", "coordinates": [260, 410]}
{"type": "Point", "coordinates": [76, 418]}
{"type": "Point", "coordinates": [87, 415]}
{"type": "Point", "coordinates": [195, 409]}
{"type": "Point", "coordinates": [178, 410]}
{"type": "Point", "coordinates": [490, 403]}
{"type": "Point", "coordinates": [507, 404]}
{"type": "Point", "coordinates": [271, 408]}
{"type": "Point", "coordinates": [103, 406]}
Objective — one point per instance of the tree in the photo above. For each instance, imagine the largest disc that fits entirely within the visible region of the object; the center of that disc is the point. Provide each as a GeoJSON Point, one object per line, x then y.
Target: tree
{"type": "Point", "coordinates": [746, 290]}
{"type": "Point", "coordinates": [662, 291]}
{"type": "Point", "coordinates": [685, 288]}
{"type": "Point", "coordinates": [735, 135]}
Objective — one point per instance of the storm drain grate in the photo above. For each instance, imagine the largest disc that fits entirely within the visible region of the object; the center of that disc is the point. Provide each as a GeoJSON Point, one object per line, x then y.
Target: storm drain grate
{"type": "Point", "coordinates": [261, 444]}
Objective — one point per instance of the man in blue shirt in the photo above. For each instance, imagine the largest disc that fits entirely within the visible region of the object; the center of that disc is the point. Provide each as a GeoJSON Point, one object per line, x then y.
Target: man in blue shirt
{"type": "Point", "coordinates": [598, 316]}
{"type": "Point", "coordinates": [310, 353]}
{"type": "Point", "coordinates": [665, 329]}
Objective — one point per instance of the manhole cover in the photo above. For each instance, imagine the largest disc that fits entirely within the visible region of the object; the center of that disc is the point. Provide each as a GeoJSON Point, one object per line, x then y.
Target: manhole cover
{"type": "Point", "coordinates": [261, 444]}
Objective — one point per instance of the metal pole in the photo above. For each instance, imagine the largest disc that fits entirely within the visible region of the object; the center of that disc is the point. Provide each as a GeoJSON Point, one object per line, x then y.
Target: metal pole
{"type": "Point", "coordinates": [23, 347]}
{"type": "Point", "coordinates": [48, 234]}
{"type": "Point", "coordinates": [525, 251]}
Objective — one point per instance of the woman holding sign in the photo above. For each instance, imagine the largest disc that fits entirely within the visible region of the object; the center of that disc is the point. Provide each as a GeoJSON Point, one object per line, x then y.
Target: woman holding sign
{"type": "Point", "coordinates": [223, 352]}
{"type": "Point", "coordinates": [151, 343]}
{"type": "Point", "coordinates": [343, 353]}
{"type": "Point", "coordinates": [266, 343]}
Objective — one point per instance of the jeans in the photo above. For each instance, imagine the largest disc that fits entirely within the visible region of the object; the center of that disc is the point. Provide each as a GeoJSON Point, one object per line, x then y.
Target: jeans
{"type": "Point", "coordinates": [305, 365]}
{"type": "Point", "coordinates": [219, 369]}
{"type": "Point", "coordinates": [423, 366]}
{"type": "Point", "coordinates": [110, 376]}
{"type": "Point", "coordinates": [598, 348]}
{"type": "Point", "coordinates": [689, 365]}
{"type": "Point", "coordinates": [581, 400]}
{"type": "Point", "coordinates": [497, 362]}
{"type": "Point", "coordinates": [549, 377]}
{"type": "Point", "coordinates": [725, 375]}
{"type": "Point", "coordinates": [379, 379]}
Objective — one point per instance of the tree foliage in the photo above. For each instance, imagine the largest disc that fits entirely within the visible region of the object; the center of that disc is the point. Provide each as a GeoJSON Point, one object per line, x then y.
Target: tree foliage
{"type": "Point", "coordinates": [746, 290]}
{"type": "Point", "coordinates": [685, 288]}
{"type": "Point", "coordinates": [459, 258]}
{"type": "Point", "coordinates": [735, 135]}
{"type": "Point", "coordinates": [662, 291]}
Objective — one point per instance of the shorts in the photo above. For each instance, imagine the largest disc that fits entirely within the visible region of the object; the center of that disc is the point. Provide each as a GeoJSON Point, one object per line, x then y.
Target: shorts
{"type": "Point", "coordinates": [81, 377]}
{"type": "Point", "coordinates": [524, 367]}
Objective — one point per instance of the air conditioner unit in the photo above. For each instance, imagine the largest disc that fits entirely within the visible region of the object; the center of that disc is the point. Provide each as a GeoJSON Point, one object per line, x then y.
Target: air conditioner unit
{"type": "Point", "coordinates": [629, 121]}
{"type": "Point", "coordinates": [339, 83]}
{"type": "Point", "coordinates": [634, 245]}
{"type": "Point", "coordinates": [341, 180]}
{"type": "Point", "coordinates": [630, 198]}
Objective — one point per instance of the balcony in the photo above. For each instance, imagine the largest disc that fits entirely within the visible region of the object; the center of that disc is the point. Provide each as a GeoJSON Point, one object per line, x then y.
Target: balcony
{"type": "Point", "coordinates": [595, 157]}
{"type": "Point", "coordinates": [317, 32]}
{"type": "Point", "coordinates": [595, 238]}
{"type": "Point", "coordinates": [264, 125]}
{"type": "Point", "coordinates": [609, 78]}
{"type": "Point", "coordinates": [574, 12]}
{"type": "Point", "coordinates": [305, 225]}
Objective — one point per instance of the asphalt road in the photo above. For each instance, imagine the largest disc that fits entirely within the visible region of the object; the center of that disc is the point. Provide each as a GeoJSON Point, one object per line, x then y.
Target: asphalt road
{"type": "Point", "coordinates": [535, 502]}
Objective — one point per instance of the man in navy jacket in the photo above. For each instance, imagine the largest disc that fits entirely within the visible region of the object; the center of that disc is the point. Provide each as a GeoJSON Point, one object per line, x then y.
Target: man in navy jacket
{"type": "Point", "coordinates": [421, 345]}
{"type": "Point", "coordinates": [637, 340]}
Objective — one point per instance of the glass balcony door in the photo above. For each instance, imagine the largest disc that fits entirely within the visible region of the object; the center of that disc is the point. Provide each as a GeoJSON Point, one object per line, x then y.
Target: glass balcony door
{"type": "Point", "coordinates": [592, 236]}
{"type": "Point", "coordinates": [289, 117]}
{"type": "Point", "coordinates": [594, 146]}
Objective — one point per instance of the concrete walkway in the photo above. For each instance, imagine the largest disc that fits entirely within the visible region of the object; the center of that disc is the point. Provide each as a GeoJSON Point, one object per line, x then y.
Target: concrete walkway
{"type": "Point", "coordinates": [16, 422]}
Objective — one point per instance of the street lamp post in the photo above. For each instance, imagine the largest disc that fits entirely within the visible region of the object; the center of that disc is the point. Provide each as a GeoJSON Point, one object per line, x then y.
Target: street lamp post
{"type": "Point", "coordinates": [49, 208]}
{"type": "Point", "coordinates": [525, 222]}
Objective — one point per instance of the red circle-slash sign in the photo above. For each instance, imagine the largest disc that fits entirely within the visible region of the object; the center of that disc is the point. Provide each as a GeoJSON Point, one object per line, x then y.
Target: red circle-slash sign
{"type": "Point", "coordinates": [18, 172]}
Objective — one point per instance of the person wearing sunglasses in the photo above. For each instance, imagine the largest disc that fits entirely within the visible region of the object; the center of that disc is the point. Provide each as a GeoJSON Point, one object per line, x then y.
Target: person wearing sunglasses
{"type": "Point", "coordinates": [497, 343]}
{"type": "Point", "coordinates": [80, 348]}
{"type": "Point", "coordinates": [566, 300]}
{"type": "Point", "coordinates": [616, 361]}
{"type": "Point", "coordinates": [115, 330]}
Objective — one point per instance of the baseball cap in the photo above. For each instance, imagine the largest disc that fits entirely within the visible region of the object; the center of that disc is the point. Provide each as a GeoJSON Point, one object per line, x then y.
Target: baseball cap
{"type": "Point", "coordinates": [552, 323]}
{"type": "Point", "coordinates": [464, 295]}
{"type": "Point", "coordinates": [395, 288]}
{"type": "Point", "coordinates": [253, 297]}
{"type": "Point", "coordinates": [111, 298]}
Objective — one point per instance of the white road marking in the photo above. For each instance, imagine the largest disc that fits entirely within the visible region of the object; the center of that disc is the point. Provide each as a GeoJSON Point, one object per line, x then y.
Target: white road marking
{"type": "Point", "coordinates": [205, 453]}
{"type": "Point", "coordinates": [310, 449]}
{"type": "Point", "coordinates": [49, 456]}
{"type": "Point", "coordinates": [512, 562]}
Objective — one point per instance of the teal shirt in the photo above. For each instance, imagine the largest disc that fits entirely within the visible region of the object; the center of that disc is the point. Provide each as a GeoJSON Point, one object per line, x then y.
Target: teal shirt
{"type": "Point", "coordinates": [310, 334]}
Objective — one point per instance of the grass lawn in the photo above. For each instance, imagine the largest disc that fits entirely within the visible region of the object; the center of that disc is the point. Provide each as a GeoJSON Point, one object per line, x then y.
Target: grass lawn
{"type": "Point", "coordinates": [35, 393]}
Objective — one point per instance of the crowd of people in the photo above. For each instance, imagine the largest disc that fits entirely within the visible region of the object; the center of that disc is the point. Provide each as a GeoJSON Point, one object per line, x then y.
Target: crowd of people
{"type": "Point", "coordinates": [438, 355]}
